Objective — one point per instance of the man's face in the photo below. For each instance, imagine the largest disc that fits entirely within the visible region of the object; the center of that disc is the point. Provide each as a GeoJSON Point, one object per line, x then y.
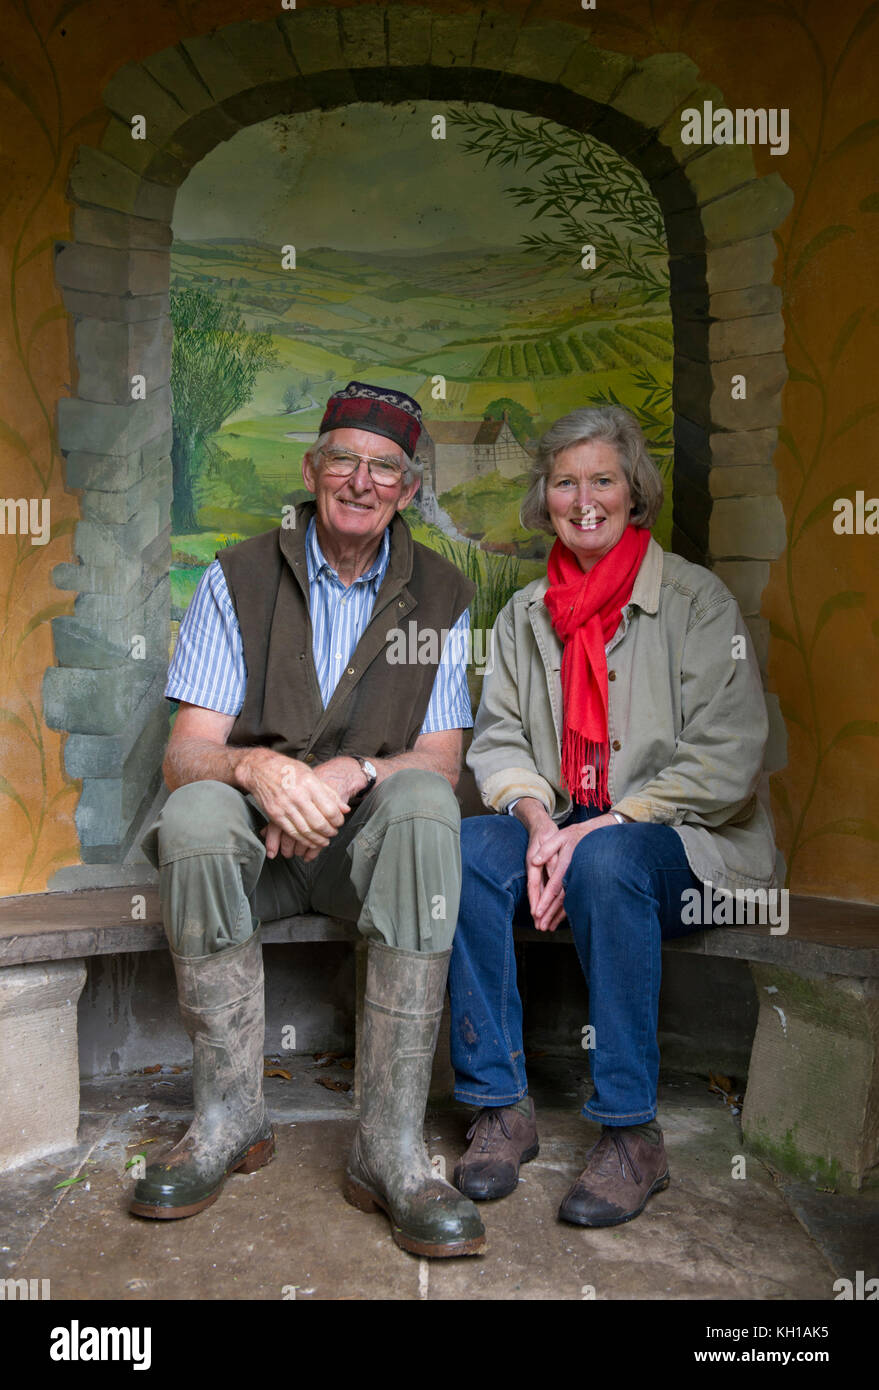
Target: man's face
{"type": "Point", "coordinates": [356, 508]}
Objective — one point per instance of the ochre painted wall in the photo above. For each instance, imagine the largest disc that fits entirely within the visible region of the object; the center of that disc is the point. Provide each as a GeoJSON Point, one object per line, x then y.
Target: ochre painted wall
{"type": "Point", "coordinates": [817, 60]}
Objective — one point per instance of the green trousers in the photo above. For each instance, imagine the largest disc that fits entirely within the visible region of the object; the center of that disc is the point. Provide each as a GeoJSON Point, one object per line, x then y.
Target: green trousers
{"type": "Point", "coordinates": [394, 867]}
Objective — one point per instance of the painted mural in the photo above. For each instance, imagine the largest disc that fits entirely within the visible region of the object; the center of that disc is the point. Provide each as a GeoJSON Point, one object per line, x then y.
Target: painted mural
{"type": "Point", "coordinates": [499, 268]}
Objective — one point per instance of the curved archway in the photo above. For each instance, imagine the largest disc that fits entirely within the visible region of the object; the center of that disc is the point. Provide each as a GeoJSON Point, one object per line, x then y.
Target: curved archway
{"type": "Point", "coordinates": [105, 690]}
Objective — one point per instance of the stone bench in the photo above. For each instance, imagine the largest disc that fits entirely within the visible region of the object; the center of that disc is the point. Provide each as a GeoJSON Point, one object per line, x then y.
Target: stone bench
{"type": "Point", "coordinates": [811, 1105]}
{"type": "Point", "coordinates": [812, 1101]}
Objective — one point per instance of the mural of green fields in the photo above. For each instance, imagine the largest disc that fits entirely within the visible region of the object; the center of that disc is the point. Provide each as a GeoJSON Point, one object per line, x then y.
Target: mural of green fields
{"type": "Point", "coordinates": [472, 298]}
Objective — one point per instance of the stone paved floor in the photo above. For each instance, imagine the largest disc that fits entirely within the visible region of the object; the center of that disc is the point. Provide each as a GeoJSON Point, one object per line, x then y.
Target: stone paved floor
{"type": "Point", "coordinates": [709, 1236]}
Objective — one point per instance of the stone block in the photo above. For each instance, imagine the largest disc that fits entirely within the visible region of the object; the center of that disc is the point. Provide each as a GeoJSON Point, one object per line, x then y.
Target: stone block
{"type": "Point", "coordinates": [113, 429]}
{"type": "Point", "coordinates": [732, 304]}
{"type": "Point", "coordinates": [713, 173]}
{"type": "Point", "coordinates": [133, 757]}
{"type": "Point", "coordinates": [202, 133]}
{"type": "Point", "coordinates": [260, 50]}
{"type": "Point", "coordinates": [656, 87]}
{"type": "Point", "coordinates": [105, 755]}
{"type": "Point", "coordinates": [109, 354]}
{"type": "Point", "coordinates": [747, 528]}
{"type": "Point", "coordinates": [172, 71]}
{"type": "Point", "coordinates": [408, 38]}
{"type": "Point", "coordinates": [671, 151]}
{"type": "Point", "coordinates": [544, 49]}
{"type": "Point", "coordinates": [93, 702]}
{"type": "Point", "coordinates": [314, 39]}
{"type": "Point", "coordinates": [746, 580]}
{"type": "Point", "coordinates": [218, 68]}
{"type": "Point", "coordinates": [98, 544]}
{"type": "Point", "coordinates": [119, 614]}
{"type": "Point", "coordinates": [133, 91]}
{"type": "Point", "coordinates": [39, 1078]}
{"type": "Point", "coordinates": [118, 307]}
{"type": "Point", "coordinates": [97, 180]}
{"type": "Point", "coordinates": [725, 449]}
{"type": "Point", "coordinates": [745, 214]}
{"type": "Point", "coordinates": [104, 472]}
{"type": "Point", "coordinates": [146, 159]}
{"type": "Point", "coordinates": [495, 40]}
{"type": "Point", "coordinates": [263, 103]}
{"type": "Point", "coordinates": [596, 74]}
{"type": "Point", "coordinates": [703, 391]}
{"type": "Point", "coordinates": [117, 508]}
{"type": "Point", "coordinates": [724, 268]}
{"type": "Point", "coordinates": [363, 37]}
{"type": "Point", "coordinates": [746, 337]}
{"type": "Point", "coordinates": [815, 1032]}
{"type": "Point", "coordinates": [90, 579]}
{"type": "Point", "coordinates": [743, 482]}
{"type": "Point", "coordinates": [79, 645]}
{"type": "Point", "coordinates": [120, 231]}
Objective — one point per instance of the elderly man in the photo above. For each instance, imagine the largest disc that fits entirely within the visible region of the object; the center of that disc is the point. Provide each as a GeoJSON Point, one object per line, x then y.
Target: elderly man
{"type": "Point", "coordinates": [307, 771]}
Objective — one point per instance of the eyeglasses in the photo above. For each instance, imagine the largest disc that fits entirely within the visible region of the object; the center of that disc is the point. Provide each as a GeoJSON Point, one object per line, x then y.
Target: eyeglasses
{"type": "Point", "coordinates": [341, 464]}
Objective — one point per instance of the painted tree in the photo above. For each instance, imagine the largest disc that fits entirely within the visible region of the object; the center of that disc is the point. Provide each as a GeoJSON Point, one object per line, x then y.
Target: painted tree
{"type": "Point", "coordinates": [214, 365]}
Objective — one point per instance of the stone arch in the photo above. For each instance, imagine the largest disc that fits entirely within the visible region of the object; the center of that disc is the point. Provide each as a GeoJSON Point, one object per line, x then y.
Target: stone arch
{"type": "Point", "coordinates": [114, 277]}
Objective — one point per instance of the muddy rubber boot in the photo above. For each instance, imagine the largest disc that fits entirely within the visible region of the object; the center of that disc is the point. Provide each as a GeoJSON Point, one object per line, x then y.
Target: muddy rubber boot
{"type": "Point", "coordinates": [388, 1166]}
{"type": "Point", "coordinates": [222, 1003]}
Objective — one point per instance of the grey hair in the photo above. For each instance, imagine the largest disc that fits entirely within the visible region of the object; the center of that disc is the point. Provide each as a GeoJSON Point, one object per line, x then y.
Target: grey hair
{"type": "Point", "coordinates": [612, 425]}
{"type": "Point", "coordinates": [414, 467]}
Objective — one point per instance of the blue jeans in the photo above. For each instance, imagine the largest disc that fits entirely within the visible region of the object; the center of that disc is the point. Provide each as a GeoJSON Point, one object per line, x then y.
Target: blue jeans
{"type": "Point", "coordinates": [623, 893]}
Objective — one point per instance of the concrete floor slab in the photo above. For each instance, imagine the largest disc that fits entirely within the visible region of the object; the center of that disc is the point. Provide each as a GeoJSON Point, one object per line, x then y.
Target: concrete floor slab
{"type": "Point", "coordinates": [723, 1230]}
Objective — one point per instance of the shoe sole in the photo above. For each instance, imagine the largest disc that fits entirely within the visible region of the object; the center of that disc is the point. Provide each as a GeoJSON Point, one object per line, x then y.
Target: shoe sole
{"type": "Point", "coordinates": [496, 1196]}
{"type": "Point", "coordinates": [257, 1156]}
{"type": "Point", "coordinates": [364, 1199]}
{"type": "Point", "coordinates": [659, 1186]}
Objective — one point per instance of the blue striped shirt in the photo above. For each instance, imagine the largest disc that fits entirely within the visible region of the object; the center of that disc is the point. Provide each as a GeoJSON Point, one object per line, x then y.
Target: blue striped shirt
{"type": "Point", "coordinates": [208, 667]}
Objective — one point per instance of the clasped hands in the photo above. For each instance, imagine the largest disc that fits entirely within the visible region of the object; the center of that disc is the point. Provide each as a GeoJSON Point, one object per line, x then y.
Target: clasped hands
{"type": "Point", "coordinates": [305, 806]}
{"type": "Point", "coordinates": [547, 859]}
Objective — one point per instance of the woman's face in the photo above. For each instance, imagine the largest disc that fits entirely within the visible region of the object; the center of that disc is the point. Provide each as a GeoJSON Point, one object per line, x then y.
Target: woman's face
{"type": "Point", "coordinates": [588, 499]}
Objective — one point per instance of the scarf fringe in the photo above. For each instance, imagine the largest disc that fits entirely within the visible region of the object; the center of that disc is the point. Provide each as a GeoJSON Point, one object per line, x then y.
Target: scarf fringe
{"type": "Point", "coordinates": [584, 769]}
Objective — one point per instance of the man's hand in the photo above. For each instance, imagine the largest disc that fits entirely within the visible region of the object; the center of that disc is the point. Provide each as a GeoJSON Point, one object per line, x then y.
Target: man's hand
{"type": "Point", "coordinates": [298, 803]}
{"type": "Point", "coordinates": [343, 775]}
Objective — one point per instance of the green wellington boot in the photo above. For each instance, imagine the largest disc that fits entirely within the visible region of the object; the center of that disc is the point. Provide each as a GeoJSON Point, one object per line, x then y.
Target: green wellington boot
{"type": "Point", "coordinates": [388, 1166]}
{"type": "Point", "coordinates": [222, 1004]}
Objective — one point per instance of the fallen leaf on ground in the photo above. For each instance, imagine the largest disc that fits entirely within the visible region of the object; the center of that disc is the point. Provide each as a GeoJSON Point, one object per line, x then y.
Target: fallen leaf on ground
{"type": "Point", "coordinates": [331, 1084]}
{"type": "Point", "coordinates": [148, 1071]}
{"type": "Point", "coordinates": [68, 1182]}
{"type": "Point", "coordinates": [325, 1058]}
{"type": "Point", "coordinates": [276, 1071]}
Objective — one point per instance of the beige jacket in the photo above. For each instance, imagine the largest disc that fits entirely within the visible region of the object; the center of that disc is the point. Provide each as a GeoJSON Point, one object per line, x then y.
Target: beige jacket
{"type": "Point", "coordinates": [686, 715]}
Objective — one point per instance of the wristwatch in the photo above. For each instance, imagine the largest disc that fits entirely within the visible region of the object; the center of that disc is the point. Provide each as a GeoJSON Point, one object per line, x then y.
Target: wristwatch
{"type": "Point", "coordinates": [620, 819]}
{"type": "Point", "coordinates": [369, 771]}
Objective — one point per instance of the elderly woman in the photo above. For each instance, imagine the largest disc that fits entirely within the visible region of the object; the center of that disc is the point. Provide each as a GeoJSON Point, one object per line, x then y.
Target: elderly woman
{"type": "Point", "coordinates": [620, 737]}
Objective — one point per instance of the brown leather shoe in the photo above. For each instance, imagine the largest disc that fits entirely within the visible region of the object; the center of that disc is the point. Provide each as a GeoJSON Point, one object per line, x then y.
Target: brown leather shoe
{"type": "Point", "coordinates": [502, 1139]}
{"type": "Point", "coordinates": [622, 1171]}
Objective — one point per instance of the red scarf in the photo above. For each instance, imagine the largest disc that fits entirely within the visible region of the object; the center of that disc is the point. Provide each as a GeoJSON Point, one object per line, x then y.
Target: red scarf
{"type": "Point", "coordinates": [585, 611]}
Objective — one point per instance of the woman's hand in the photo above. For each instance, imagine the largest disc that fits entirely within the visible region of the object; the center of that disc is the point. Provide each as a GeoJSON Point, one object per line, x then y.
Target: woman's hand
{"type": "Point", "coordinates": [541, 831]}
{"type": "Point", "coordinates": [550, 860]}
